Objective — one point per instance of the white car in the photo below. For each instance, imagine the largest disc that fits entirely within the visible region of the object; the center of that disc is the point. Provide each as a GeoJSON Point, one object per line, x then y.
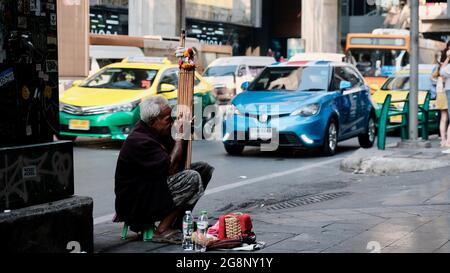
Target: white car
{"type": "Point", "coordinates": [227, 74]}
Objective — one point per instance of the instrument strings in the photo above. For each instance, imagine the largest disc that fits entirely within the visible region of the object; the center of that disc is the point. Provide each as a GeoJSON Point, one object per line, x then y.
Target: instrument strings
{"type": "Point", "coordinates": [184, 103]}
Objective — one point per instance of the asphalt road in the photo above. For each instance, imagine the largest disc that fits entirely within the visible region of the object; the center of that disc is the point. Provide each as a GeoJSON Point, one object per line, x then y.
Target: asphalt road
{"type": "Point", "coordinates": [253, 179]}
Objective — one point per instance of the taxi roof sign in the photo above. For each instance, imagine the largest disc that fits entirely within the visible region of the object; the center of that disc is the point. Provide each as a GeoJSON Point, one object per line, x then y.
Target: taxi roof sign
{"type": "Point", "coordinates": [145, 59]}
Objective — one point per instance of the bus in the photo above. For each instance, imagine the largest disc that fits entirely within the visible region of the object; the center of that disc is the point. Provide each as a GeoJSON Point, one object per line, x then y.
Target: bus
{"type": "Point", "coordinates": [383, 52]}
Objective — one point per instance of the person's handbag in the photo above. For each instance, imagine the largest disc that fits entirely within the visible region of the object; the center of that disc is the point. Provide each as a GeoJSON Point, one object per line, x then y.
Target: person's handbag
{"type": "Point", "coordinates": [441, 96]}
{"type": "Point", "coordinates": [234, 225]}
{"type": "Point", "coordinates": [440, 85]}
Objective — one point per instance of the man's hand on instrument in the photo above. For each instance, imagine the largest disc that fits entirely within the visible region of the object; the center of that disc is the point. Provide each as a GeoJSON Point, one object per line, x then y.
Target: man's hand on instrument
{"type": "Point", "coordinates": [176, 155]}
{"type": "Point", "coordinates": [179, 126]}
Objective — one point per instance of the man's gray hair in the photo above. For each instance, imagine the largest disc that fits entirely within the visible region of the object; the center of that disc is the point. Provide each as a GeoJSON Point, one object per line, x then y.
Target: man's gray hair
{"type": "Point", "coordinates": [151, 107]}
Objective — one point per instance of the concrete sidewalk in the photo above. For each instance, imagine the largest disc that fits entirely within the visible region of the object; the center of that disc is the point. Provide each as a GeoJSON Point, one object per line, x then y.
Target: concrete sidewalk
{"type": "Point", "coordinates": [399, 211]}
{"type": "Point", "coordinates": [396, 160]}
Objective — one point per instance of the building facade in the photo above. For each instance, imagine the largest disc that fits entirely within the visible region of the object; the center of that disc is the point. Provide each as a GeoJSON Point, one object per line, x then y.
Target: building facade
{"type": "Point", "coordinates": [238, 23]}
{"type": "Point", "coordinates": [320, 25]}
{"type": "Point", "coordinates": [109, 16]}
{"type": "Point", "coordinates": [359, 16]}
{"type": "Point", "coordinates": [223, 22]}
{"type": "Point", "coordinates": [435, 19]}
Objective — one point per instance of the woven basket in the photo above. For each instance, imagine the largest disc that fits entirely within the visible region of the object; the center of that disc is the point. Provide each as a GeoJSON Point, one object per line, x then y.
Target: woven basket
{"type": "Point", "coordinates": [232, 227]}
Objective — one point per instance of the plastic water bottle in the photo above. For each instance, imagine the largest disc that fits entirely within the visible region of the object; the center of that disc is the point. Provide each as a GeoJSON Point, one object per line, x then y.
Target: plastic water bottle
{"type": "Point", "coordinates": [202, 228]}
{"type": "Point", "coordinates": [188, 228]}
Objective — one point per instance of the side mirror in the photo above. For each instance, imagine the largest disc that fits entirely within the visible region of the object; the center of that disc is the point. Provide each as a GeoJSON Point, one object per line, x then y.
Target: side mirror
{"type": "Point", "coordinates": [245, 86]}
{"type": "Point", "coordinates": [344, 85]}
{"type": "Point", "coordinates": [165, 87]}
{"type": "Point", "coordinates": [374, 87]}
{"type": "Point", "coordinates": [76, 83]}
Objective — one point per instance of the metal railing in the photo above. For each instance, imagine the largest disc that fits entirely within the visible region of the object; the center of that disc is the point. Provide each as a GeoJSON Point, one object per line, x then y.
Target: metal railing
{"type": "Point", "coordinates": [390, 109]}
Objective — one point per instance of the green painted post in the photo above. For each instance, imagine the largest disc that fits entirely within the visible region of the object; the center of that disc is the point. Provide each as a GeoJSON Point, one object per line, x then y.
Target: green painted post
{"type": "Point", "coordinates": [425, 116]}
{"type": "Point", "coordinates": [383, 120]}
{"type": "Point", "coordinates": [404, 131]}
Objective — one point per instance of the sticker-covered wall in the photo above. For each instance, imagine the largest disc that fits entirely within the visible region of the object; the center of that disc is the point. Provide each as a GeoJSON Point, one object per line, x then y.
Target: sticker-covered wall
{"type": "Point", "coordinates": [29, 102]}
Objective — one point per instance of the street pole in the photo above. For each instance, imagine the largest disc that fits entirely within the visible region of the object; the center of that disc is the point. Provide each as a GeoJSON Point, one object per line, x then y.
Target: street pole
{"type": "Point", "coordinates": [413, 142]}
{"type": "Point", "coordinates": [448, 8]}
{"type": "Point", "coordinates": [181, 16]}
{"type": "Point", "coordinates": [414, 71]}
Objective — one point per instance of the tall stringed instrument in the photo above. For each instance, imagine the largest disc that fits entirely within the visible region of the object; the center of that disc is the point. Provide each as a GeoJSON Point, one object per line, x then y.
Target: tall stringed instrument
{"type": "Point", "coordinates": [186, 94]}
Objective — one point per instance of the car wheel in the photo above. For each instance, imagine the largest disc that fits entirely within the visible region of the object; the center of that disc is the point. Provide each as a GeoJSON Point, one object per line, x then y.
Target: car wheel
{"type": "Point", "coordinates": [66, 137]}
{"type": "Point", "coordinates": [367, 139]}
{"type": "Point", "coordinates": [234, 149]}
{"type": "Point", "coordinates": [331, 138]}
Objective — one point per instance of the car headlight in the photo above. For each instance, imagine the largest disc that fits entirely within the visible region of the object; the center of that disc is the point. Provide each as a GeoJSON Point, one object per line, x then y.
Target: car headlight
{"type": "Point", "coordinates": [308, 110]}
{"type": "Point", "coordinates": [126, 107]}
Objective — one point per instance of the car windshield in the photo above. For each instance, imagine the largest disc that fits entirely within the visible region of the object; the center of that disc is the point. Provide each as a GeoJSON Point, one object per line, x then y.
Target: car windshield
{"type": "Point", "coordinates": [222, 70]}
{"type": "Point", "coordinates": [122, 78]}
{"type": "Point", "coordinates": [377, 62]}
{"type": "Point", "coordinates": [401, 83]}
{"type": "Point", "coordinates": [292, 78]}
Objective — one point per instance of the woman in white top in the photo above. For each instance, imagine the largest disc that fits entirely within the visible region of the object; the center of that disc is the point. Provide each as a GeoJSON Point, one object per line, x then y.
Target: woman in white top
{"type": "Point", "coordinates": [438, 92]}
{"type": "Point", "coordinates": [445, 74]}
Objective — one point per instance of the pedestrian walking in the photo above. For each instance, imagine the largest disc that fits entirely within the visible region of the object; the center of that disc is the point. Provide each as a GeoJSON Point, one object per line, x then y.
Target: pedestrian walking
{"type": "Point", "coordinates": [150, 183]}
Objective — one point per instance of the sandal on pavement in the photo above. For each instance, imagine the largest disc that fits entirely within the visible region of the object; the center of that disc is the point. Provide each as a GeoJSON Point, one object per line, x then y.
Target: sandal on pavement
{"type": "Point", "coordinates": [168, 237]}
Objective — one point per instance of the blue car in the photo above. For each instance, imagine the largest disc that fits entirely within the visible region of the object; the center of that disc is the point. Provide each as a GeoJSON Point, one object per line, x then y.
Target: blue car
{"type": "Point", "coordinates": [301, 105]}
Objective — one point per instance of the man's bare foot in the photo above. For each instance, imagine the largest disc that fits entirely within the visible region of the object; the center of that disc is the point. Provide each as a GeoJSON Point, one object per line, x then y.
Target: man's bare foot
{"type": "Point", "coordinates": [169, 236]}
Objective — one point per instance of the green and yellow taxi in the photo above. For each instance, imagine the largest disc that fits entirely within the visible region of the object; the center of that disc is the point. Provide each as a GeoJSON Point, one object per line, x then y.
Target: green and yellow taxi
{"type": "Point", "coordinates": [106, 105]}
{"type": "Point", "coordinates": [398, 87]}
